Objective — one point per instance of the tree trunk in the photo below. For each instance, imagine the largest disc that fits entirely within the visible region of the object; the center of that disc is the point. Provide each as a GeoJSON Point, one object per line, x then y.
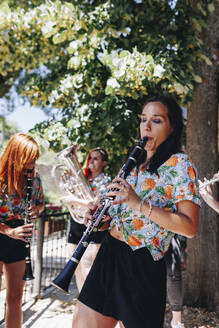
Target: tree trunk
{"type": "Point", "coordinates": [202, 281]}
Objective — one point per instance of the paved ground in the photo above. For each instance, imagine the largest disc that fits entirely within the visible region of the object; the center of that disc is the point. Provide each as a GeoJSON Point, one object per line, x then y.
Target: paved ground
{"type": "Point", "coordinates": [52, 311]}
{"type": "Point", "coordinates": [55, 310]}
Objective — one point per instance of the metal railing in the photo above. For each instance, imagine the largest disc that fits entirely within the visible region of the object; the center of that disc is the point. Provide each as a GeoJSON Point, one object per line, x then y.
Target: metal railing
{"type": "Point", "coordinates": [51, 252]}
{"type": "Point", "coordinates": [48, 255]}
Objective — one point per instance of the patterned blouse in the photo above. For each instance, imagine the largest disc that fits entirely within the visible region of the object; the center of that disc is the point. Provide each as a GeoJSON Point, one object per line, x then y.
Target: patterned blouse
{"type": "Point", "coordinates": [99, 183]}
{"type": "Point", "coordinates": [13, 206]}
{"type": "Point", "coordinates": [176, 181]}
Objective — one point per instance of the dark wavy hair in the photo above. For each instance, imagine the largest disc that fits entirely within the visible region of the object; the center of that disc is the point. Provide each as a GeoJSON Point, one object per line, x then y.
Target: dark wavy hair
{"type": "Point", "coordinates": [172, 144]}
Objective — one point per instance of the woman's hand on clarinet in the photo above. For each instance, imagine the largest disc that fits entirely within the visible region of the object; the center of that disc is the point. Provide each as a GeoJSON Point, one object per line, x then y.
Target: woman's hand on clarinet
{"type": "Point", "coordinates": [89, 215]}
{"type": "Point", "coordinates": [124, 193]}
{"type": "Point", "coordinates": [206, 191]}
{"type": "Point", "coordinates": [33, 212]}
{"type": "Point", "coordinates": [21, 232]}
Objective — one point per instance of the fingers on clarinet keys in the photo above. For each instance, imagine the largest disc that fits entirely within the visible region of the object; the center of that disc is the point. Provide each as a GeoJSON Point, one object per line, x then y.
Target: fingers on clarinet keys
{"type": "Point", "coordinates": [27, 232]}
{"type": "Point", "coordinates": [89, 216]}
{"type": "Point", "coordinates": [27, 237]}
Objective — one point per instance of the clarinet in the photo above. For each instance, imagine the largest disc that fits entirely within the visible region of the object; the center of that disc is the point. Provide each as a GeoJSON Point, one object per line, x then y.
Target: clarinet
{"type": "Point", "coordinates": [63, 280]}
{"type": "Point", "coordinates": [28, 274]}
{"type": "Point", "coordinates": [208, 182]}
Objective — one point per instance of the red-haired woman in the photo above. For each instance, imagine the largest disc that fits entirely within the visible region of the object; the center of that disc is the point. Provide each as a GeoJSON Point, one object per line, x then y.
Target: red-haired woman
{"type": "Point", "coordinates": [93, 170]}
{"type": "Point", "coordinates": [16, 164]}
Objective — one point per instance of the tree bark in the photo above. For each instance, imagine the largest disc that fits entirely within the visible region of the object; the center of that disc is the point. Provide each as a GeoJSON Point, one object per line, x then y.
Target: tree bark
{"type": "Point", "coordinates": [202, 280]}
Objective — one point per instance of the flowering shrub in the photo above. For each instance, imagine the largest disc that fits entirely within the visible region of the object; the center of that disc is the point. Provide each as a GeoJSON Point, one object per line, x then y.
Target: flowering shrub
{"type": "Point", "coordinates": [51, 209]}
{"type": "Point", "coordinates": [97, 69]}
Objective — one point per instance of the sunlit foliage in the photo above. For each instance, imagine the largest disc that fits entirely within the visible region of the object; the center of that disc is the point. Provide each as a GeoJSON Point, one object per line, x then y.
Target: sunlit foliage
{"type": "Point", "coordinates": [101, 60]}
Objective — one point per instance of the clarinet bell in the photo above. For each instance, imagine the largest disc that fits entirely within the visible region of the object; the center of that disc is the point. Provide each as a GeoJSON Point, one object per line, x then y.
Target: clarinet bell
{"type": "Point", "coordinates": [63, 280]}
{"type": "Point", "coordinates": [28, 274]}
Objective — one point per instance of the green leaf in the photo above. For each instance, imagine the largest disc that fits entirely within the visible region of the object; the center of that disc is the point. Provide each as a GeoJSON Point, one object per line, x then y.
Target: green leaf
{"type": "Point", "coordinates": [160, 190]}
{"type": "Point", "coordinates": [197, 78]}
{"type": "Point", "coordinates": [207, 60]}
{"type": "Point", "coordinates": [201, 9]}
{"type": "Point", "coordinates": [59, 37]}
{"type": "Point", "coordinates": [124, 53]}
{"type": "Point", "coordinates": [144, 193]}
{"type": "Point", "coordinates": [173, 173]}
{"type": "Point", "coordinates": [125, 233]}
{"type": "Point", "coordinates": [108, 90]}
{"type": "Point", "coordinates": [4, 7]}
{"type": "Point", "coordinates": [150, 58]}
{"type": "Point", "coordinates": [164, 168]}
{"type": "Point", "coordinates": [211, 7]}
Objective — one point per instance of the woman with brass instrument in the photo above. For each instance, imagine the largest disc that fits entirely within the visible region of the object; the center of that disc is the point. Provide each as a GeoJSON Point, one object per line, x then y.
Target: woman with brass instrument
{"type": "Point", "coordinates": [159, 198]}
{"type": "Point", "coordinates": [93, 170]}
{"type": "Point", "coordinates": [17, 159]}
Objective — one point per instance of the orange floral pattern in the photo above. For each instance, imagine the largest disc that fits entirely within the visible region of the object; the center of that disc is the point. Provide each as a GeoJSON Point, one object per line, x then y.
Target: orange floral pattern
{"type": "Point", "coordinates": [176, 181]}
{"type": "Point", "coordinates": [148, 184]}
{"type": "Point", "coordinates": [137, 224]}
{"type": "Point", "coordinates": [191, 172]}
{"type": "Point", "coordinates": [133, 241]}
{"type": "Point", "coordinates": [156, 242]}
{"type": "Point", "coordinates": [172, 161]}
{"type": "Point", "coordinates": [13, 206]}
{"type": "Point", "coordinates": [4, 209]}
{"type": "Point", "coordinates": [168, 191]}
{"type": "Point", "coordinates": [179, 197]}
{"type": "Point", "coordinates": [192, 188]}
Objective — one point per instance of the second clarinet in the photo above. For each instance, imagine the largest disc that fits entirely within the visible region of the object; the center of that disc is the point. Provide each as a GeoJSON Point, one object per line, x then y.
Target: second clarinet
{"type": "Point", "coordinates": [28, 274]}
{"type": "Point", "coordinates": [63, 280]}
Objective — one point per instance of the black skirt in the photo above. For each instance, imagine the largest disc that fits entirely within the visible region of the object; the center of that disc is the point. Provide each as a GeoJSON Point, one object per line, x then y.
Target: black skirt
{"type": "Point", "coordinates": [126, 285]}
{"type": "Point", "coordinates": [76, 230]}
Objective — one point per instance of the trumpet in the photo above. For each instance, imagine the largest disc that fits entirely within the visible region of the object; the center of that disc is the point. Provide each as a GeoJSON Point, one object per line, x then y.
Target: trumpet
{"type": "Point", "coordinates": [63, 280]}
{"type": "Point", "coordinates": [28, 274]}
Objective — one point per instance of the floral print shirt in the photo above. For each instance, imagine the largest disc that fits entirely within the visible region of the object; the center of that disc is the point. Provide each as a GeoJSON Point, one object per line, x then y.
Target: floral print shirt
{"type": "Point", "coordinates": [99, 183]}
{"type": "Point", "coordinates": [176, 181]}
{"type": "Point", "coordinates": [13, 206]}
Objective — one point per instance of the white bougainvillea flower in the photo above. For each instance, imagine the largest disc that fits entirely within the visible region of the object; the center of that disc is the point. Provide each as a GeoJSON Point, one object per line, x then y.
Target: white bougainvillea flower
{"type": "Point", "coordinates": [113, 83]}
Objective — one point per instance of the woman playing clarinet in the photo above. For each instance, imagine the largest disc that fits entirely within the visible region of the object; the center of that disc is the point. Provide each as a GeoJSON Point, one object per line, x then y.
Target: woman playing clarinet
{"type": "Point", "coordinates": [17, 163]}
{"type": "Point", "coordinates": [159, 198]}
